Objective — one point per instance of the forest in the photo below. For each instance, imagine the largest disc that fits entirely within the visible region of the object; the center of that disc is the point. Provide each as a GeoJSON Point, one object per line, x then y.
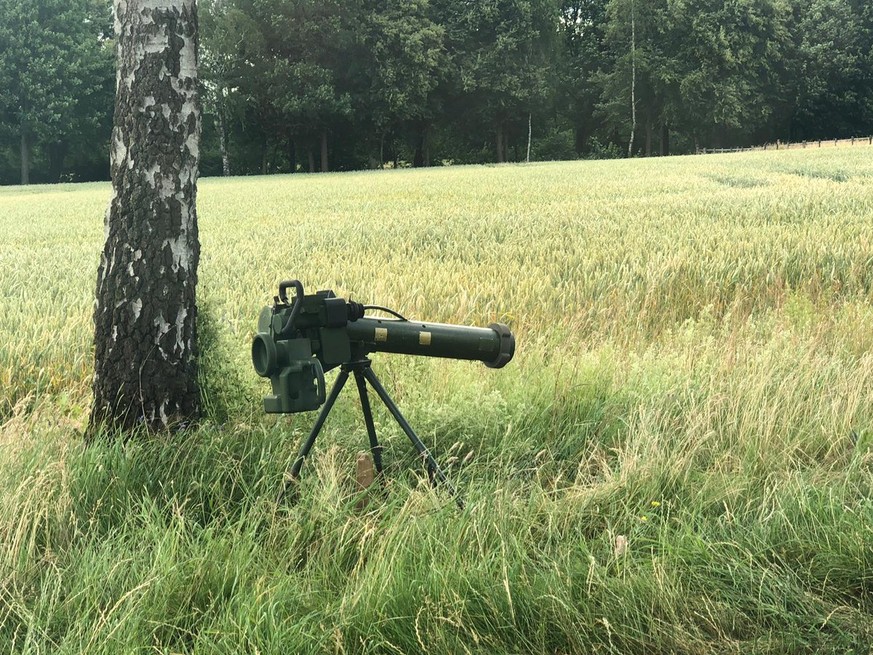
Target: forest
{"type": "Point", "coordinates": [324, 85]}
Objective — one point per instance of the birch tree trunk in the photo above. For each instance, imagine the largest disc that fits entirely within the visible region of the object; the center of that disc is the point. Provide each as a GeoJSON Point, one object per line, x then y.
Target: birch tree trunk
{"type": "Point", "coordinates": [527, 155]}
{"type": "Point", "coordinates": [630, 145]}
{"type": "Point", "coordinates": [145, 315]}
{"type": "Point", "coordinates": [222, 141]}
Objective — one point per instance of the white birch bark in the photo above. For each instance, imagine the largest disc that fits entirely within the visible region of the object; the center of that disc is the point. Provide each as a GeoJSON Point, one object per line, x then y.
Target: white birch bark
{"type": "Point", "coordinates": [145, 312]}
{"type": "Point", "coordinates": [630, 145]}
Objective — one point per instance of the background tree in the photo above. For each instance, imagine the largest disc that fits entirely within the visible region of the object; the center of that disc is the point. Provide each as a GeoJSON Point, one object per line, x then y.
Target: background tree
{"type": "Point", "coordinates": [830, 70]}
{"type": "Point", "coordinates": [726, 60]}
{"type": "Point", "coordinates": [55, 76]}
{"type": "Point", "coordinates": [583, 53]}
{"type": "Point", "coordinates": [218, 70]}
{"type": "Point", "coordinates": [404, 49]}
{"type": "Point", "coordinates": [235, 67]}
{"type": "Point", "coordinates": [308, 46]}
{"type": "Point", "coordinates": [145, 317]}
{"type": "Point", "coordinates": [504, 50]}
{"type": "Point", "coordinates": [634, 64]}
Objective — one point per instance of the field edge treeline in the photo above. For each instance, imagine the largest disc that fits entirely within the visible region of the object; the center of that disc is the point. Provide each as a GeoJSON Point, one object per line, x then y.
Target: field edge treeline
{"type": "Point", "coordinates": [298, 85]}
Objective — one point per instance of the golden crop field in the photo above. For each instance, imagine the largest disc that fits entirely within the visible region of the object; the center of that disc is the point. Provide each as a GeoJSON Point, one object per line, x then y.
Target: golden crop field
{"type": "Point", "coordinates": [678, 459]}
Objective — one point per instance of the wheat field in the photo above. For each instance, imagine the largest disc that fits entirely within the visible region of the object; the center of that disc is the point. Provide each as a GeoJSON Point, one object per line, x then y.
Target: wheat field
{"type": "Point", "coordinates": [679, 458]}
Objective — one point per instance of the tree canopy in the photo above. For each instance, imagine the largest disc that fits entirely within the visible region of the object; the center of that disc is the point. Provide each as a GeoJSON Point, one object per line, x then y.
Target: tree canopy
{"type": "Point", "coordinates": [305, 85]}
{"type": "Point", "coordinates": [56, 75]}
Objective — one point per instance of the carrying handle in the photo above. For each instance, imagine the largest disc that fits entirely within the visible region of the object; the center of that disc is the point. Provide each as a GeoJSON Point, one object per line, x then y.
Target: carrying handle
{"type": "Point", "coordinates": [295, 308]}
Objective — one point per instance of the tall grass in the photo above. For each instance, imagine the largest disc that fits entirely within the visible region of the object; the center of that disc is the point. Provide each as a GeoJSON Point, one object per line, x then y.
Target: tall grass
{"type": "Point", "coordinates": [679, 459]}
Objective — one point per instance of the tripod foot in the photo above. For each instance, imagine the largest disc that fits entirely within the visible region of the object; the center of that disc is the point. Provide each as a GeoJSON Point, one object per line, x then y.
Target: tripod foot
{"type": "Point", "coordinates": [290, 490]}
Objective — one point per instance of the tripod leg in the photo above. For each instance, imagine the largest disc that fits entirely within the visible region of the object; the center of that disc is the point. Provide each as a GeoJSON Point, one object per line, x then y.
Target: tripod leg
{"type": "Point", "coordinates": [375, 448]}
{"type": "Point", "coordinates": [433, 467]}
{"type": "Point", "coordinates": [319, 423]}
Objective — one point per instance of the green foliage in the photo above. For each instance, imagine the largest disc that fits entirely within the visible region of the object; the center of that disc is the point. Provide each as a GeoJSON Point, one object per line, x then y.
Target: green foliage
{"type": "Point", "coordinates": [406, 54]}
{"type": "Point", "coordinates": [291, 85]}
{"type": "Point", "coordinates": [727, 62]}
{"type": "Point", "coordinates": [55, 75]}
{"type": "Point", "coordinates": [445, 80]}
{"type": "Point", "coordinates": [503, 52]}
{"type": "Point", "coordinates": [582, 54]}
{"type": "Point", "coordinates": [831, 67]}
{"type": "Point", "coordinates": [287, 69]}
{"type": "Point", "coordinates": [502, 56]}
{"type": "Point", "coordinates": [557, 145]}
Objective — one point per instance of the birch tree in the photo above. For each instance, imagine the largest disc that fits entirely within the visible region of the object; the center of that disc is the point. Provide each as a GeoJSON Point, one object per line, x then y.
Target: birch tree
{"type": "Point", "coordinates": [633, 93]}
{"type": "Point", "coordinates": [145, 314]}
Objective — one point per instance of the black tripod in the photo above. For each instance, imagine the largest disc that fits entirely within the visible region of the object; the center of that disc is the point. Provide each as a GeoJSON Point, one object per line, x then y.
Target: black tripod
{"type": "Point", "coordinates": [362, 371]}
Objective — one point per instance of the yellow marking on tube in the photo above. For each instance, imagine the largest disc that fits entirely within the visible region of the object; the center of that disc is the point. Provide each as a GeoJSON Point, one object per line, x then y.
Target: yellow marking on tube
{"type": "Point", "coordinates": [382, 334]}
{"type": "Point", "coordinates": [424, 338]}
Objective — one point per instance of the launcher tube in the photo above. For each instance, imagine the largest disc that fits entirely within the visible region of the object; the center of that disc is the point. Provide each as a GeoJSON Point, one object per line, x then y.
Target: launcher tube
{"type": "Point", "coordinates": [494, 345]}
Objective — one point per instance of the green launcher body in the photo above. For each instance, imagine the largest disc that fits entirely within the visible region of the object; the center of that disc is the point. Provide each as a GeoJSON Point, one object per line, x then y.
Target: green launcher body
{"type": "Point", "coordinates": [430, 339]}
{"type": "Point", "coordinates": [298, 342]}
